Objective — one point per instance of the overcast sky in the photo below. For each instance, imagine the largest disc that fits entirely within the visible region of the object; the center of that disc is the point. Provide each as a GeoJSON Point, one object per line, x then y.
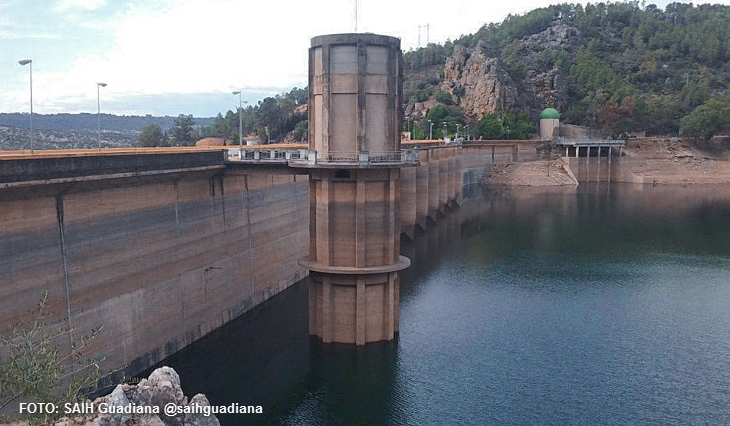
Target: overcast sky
{"type": "Point", "coordinates": [166, 57]}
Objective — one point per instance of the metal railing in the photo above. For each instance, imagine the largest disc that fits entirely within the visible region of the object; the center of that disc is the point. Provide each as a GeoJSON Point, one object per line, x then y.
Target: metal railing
{"type": "Point", "coordinates": [408, 157]}
{"type": "Point", "coordinates": [564, 140]}
{"type": "Point", "coordinates": [283, 156]}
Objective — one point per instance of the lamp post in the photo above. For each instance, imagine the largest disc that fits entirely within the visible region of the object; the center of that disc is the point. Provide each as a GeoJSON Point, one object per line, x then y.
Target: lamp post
{"type": "Point", "coordinates": [29, 62]}
{"type": "Point", "coordinates": [430, 130]}
{"type": "Point", "coordinates": [98, 113]}
{"type": "Point", "coordinates": [457, 130]}
{"type": "Point", "coordinates": [445, 130]}
{"type": "Point", "coordinates": [240, 121]}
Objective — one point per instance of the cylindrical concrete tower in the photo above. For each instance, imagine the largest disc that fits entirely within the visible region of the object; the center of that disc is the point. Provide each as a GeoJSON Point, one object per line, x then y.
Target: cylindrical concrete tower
{"type": "Point", "coordinates": [354, 128]}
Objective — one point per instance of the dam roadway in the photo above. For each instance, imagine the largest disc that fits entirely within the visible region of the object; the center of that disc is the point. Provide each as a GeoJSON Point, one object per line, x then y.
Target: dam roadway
{"type": "Point", "coordinates": [160, 246]}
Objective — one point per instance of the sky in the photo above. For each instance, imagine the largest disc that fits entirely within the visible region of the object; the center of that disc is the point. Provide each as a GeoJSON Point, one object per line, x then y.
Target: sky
{"type": "Point", "coordinates": [170, 57]}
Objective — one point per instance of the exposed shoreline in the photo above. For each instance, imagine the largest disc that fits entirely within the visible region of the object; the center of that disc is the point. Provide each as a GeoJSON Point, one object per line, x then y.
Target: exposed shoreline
{"type": "Point", "coordinates": [656, 161]}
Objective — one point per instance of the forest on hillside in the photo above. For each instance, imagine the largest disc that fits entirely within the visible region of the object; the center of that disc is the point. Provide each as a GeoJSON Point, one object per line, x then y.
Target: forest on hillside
{"type": "Point", "coordinates": [627, 67]}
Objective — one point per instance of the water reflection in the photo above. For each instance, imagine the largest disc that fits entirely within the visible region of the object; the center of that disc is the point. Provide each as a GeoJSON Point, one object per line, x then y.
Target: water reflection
{"type": "Point", "coordinates": [591, 305]}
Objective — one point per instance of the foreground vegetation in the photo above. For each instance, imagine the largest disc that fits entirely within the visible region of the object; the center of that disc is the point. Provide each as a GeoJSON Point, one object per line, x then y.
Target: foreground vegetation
{"type": "Point", "coordinates": [33, 368]}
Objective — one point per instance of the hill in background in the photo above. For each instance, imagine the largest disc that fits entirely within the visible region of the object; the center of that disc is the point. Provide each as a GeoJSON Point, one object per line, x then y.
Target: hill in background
{"type": "Point", "coordinates": [617, 66]}
{"type": "Point", "coordinates": [61, 131]}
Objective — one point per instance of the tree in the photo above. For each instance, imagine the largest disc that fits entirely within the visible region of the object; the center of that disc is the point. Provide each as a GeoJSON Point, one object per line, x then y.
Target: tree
{"type": "Point", "coordinates": [270, 116]}
{"type": "Point", "coordinates": [490, 127]}
{"type": "Point", "coordinates": [301, 130]}
{"type": "Point", "coordinates": [443, 97]}
{"type": "Point", "coordinates": [182, 130]}
{"type": "Point", "coordinates": [32, 367]}
{"type": "Point", "coordinates": [151, 135]}
{"type": "Point", "coordinates": [661, 115]}
{"type": "Point", "coordinates": [702, 123]}
{"type": "Point", "coordinates": [437, 114]}
{"type": "Point", "coordinates": [516, 124]}
{"type": "Point", "coordinates": [617, 118]}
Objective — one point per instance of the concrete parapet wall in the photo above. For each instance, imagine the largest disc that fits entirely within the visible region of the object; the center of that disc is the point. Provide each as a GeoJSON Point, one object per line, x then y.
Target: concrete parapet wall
{"type": "Point", "coordinates": [24, 171]}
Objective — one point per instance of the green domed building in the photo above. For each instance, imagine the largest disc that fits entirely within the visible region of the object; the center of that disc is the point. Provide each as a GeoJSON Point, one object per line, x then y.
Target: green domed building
{"type": "Point", "coordinates": [549, 123]}
{"type": "Point", "coordinates": [550, 113]}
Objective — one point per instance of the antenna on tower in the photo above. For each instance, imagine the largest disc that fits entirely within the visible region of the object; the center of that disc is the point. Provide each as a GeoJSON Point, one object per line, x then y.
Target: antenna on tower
{"type": "Point", "coordinates": [356, 3]}
{"type": "Point", "coordinates": [428, 37]}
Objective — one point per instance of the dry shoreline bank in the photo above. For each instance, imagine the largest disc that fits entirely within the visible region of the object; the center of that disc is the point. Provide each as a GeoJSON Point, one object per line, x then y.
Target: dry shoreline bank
{"type": "Point", "coordinates": [656, 161]}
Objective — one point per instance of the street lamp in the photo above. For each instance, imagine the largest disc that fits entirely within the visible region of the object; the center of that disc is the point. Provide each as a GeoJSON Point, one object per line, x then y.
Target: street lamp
{"type": "Point", "coordinates": [457, 130]}
{"type": "Point", "coordinates": [445, 130]}
{"type": "Point", "coordinates": [430, 130]}
{"type": "Point", "coordinates": [240, 120]}
{"type": "Point", "coordinates": [98, 113]}
{"type": "Point", "coordinates": [29, 62]}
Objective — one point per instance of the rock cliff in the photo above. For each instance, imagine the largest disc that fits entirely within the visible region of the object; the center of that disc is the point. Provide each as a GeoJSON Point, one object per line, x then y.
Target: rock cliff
{"type": "Point", "coordinates": [479, 81]}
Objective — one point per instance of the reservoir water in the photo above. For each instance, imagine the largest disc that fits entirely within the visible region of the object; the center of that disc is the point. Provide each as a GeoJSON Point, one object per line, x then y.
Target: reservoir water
{"type": "Point", "coordinates": [596, 305]}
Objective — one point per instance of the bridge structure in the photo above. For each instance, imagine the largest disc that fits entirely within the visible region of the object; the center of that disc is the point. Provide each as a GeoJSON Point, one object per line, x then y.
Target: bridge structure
{"type": "Point", "coordinates": [589, 147]}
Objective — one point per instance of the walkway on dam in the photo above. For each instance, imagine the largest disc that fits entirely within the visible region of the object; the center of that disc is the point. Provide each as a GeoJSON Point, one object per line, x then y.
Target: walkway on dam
{"type": "Point", "coordinates": [276, 153]}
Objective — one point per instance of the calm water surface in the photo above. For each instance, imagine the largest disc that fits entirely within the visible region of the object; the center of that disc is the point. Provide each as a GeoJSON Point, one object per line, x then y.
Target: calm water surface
{"type": "Point", "coordinates": [591, 306]}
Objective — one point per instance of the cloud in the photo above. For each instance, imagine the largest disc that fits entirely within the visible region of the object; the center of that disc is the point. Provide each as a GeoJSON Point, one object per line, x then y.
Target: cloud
{"type": "Point", "coordinates": [195, 47]}
{"type": "Point", "coordinates": [215, 46]}
{"type": "Point", "coordinates": [79, 4]}
{"type": "Point", "coordinates": [17, 35]}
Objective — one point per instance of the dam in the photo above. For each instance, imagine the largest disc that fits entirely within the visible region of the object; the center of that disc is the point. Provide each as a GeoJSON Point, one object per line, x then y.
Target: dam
{"type": "Point", "coordinates": [162, 246]}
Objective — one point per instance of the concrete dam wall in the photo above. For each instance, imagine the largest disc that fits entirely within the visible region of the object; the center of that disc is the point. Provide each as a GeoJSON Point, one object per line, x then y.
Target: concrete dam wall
{"type": "Point", "coordinates": [160, 252]}
{"type": "Point", "coordinates": [158, 261]}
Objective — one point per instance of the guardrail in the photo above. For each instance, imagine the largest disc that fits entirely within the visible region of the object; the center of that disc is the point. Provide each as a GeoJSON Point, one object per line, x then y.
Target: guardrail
{"type": "Point", "coordinates": [567, 141]}
{"type": "Point", "coordinates": [281, 156]}
{"type": "Point", "coordinates": [311, 157]}
{"type": "Point", "coordinates": [408, 157]}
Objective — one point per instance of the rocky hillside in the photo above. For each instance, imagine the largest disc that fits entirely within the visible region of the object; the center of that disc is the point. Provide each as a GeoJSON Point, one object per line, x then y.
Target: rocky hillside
{"type": "Point", "coordinates": [617, 66]}
{"type": "Point", "coordinates": [477, 82]}
{"type": "Point", "coordinates": [485, 85]}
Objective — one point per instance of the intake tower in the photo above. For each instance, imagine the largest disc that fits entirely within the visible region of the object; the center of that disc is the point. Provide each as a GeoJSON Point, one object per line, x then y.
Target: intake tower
{"type": "Point", "coordinates": [355, 113]}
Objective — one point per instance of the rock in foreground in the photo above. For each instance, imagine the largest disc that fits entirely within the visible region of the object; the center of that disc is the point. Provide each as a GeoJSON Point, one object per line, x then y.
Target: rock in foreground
{"type": "Point", "coordinates": [144, 404]}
